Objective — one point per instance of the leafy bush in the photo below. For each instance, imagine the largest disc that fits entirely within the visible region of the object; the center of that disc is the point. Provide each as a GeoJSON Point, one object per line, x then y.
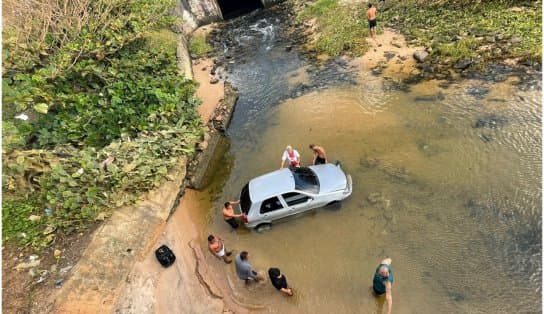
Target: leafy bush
{"type": "Point", "coordinates": [65, 75]}
{"type": "Point", "coordinates": [18, 227]}
{"type": "Point", "coordinates": [95, 111]}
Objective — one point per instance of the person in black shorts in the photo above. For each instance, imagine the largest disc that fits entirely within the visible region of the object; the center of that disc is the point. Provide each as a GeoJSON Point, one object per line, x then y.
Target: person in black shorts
{"type": "Point", "coordinates": [371, 16]}
{"type": "Point", "coordinates": [229, 215]}
{"type": "Point", "coordinates": [320, 156]}
{"type": "Point", "coordinates": [279, 281]}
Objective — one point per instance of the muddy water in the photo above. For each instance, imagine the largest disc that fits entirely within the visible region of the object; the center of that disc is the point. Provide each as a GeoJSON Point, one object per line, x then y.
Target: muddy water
{"type": "Point", "coordinates": [448, 186]}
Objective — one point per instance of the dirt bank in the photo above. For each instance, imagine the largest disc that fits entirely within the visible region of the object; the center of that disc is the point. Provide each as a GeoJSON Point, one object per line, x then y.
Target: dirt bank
{"type": "Point", "coordinates": [189, 286]}
{"type": "Point", "coordinates": [194, 284]}
{"type": "Point", "coordinates": [389, 55]}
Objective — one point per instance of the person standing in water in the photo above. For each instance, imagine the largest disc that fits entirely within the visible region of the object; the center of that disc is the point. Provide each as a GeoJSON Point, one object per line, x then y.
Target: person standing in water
{"type": "Point", "coordinates": [229, 215]}
{"type": "Point", "coordinates": [320, 156]}
{"type": "Point", "coordinates": [217, 247]}
{"type": "Point", "coordinates": [292, 156]}
{"type": "Point", "coordinates": [383, 282]}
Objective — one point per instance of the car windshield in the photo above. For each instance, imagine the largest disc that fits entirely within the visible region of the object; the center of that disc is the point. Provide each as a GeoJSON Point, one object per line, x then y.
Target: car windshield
{"type": "Point", "coordinates": [245, 201]}
{"type": "Point", "coordinates": [305, 180]}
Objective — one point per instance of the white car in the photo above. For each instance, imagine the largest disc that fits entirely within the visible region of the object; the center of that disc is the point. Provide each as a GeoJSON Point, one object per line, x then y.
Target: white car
{"type": "Point", "coordinates": [291, 191]}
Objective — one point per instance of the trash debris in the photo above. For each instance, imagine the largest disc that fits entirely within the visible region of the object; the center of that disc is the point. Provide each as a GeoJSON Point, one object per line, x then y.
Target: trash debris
{"type": "Point", "coordinates": [27, 265]}
{"type": "Point", "coordinates": [58, 283]}
{"type": "Point", "coordinates": [65, 269]}
{"type": "Point", "coordinates": [34, 217]}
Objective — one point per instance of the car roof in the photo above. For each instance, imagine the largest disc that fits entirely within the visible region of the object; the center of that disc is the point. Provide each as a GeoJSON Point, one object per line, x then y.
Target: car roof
{"type": "Point", "coordinates": [271, 184]}
{"type": "Point", "coordinates": [331, 177]}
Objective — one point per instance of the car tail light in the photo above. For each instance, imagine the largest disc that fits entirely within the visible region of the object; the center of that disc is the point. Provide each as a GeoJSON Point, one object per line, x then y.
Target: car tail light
{"type": "Point", "coordinates": [244, 218]}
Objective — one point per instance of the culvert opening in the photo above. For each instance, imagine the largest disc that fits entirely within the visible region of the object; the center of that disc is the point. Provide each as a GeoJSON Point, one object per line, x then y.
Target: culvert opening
{"type": "Point", "coordinates": [233, 8]}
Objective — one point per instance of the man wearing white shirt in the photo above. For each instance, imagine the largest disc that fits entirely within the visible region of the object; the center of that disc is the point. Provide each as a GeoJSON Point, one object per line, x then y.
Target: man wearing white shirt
{"type": "Point", "coordinates": [292, 156]}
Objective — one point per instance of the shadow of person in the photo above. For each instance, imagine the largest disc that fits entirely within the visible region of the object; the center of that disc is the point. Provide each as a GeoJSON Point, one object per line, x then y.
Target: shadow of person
{"type": "Point", "coordinates": [379, 300]}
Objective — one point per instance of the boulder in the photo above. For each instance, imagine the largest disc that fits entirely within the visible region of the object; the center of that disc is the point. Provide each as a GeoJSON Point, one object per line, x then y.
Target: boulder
{"type": "Point", "coordinates": [515, 40]}
{"type": "Point", "coordinates": [396, 44]}
{"type": "Point", "coordinates": [463, 64]}
{"type": "Point", "coordinates": [420, 55]}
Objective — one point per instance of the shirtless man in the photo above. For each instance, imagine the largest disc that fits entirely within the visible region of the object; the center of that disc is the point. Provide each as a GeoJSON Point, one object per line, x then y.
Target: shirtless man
{"type": "Point", "coordinates": [371, 16]}
{"type": "Point", "coordinates": [320, 157]}
{"type": "Point", "coordinates": [229, 215]}
{"type": "Point", "coordinates": [216, 246]}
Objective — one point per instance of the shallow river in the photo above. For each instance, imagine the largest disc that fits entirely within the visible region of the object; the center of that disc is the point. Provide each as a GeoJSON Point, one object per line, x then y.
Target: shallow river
{"type": "Point", "coordinates": [449, 188]}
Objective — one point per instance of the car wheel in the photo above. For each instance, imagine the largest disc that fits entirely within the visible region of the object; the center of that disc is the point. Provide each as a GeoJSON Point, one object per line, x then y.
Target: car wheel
{"type": "Point", "coordinates": [334, 205]}
{"type": "Point", "coordinates": [263, 227]}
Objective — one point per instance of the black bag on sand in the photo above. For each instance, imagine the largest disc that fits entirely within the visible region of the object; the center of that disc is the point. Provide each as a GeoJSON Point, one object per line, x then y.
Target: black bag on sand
{"type": "Point", "coordinates": [165, 256]}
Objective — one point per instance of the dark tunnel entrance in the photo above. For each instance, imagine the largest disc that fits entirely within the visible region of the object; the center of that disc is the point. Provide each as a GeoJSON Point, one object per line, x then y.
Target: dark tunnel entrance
{"type": "Point", "coordinates": [234, 8]}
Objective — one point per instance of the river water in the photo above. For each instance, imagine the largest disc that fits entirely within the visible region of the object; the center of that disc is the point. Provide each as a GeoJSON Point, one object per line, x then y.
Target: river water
{"type": "Point", "coordinates": [448, 186]}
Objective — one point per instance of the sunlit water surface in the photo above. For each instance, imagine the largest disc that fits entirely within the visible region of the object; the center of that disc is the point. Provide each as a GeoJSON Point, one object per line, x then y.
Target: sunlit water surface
{"type": "Point", "coordinates": [457, 207]}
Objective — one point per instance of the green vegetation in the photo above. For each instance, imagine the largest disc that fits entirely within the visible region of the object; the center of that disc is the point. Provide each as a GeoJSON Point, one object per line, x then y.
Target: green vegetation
{"type": "Point", "coordinates": [105, 112]}
{"type": "Point", "coordinates": [454, 29]}
{"type": "Point", "coordinates": [198, 45]}
{"type": "Point", "coordinates": [341, 28]}
{"type": "Point", "coordinates": [20, 226]}
{"type": "Point", "coordinates": [462, 29]}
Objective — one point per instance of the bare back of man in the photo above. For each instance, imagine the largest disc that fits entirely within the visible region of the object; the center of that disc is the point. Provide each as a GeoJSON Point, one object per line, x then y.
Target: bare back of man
{"type": "Point", "coordinates": [371, 14]}
{"type": "Point", "coordinates": [320, 156]}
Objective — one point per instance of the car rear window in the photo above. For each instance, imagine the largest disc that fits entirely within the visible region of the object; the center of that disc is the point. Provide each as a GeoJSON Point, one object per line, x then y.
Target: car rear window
{"type": "Point", "coordinates": [305, 180]}
{"type": "Point", "coordinates": [245, 200]}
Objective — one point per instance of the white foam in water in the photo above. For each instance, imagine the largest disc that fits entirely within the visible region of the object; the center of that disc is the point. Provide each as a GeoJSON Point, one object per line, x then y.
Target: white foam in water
{"type": "Point", "coordinates": [267, 31]}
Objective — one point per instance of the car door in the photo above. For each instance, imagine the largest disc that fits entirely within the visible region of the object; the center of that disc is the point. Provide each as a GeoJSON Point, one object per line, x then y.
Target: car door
{"type": "Point", "coordinates": [272, 209]}
{"type": "Point", "coordinates": [297, 202]}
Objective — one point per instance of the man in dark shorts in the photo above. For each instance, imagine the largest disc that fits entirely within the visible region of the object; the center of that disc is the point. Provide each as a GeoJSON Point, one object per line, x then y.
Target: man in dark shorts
{"type": "Point", "coordinates": [383, 281]}
{"type": "Point", "coordinates": [279, 281]}
{"type": "Point", "coordinates": [371, 16]}
{"type": "Point", "coordinates": [229, 215]}
{"type": "Point", "coordinates": [320, 156]}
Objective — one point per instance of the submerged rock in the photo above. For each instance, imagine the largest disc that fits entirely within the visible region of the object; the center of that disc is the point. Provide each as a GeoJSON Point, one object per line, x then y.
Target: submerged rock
{"type": "Point", "coordinates": [490, 121]}
{"type": "Point", "coordinates": [435, 97]}
{"type": "Point", "coordinates": [478, 92]}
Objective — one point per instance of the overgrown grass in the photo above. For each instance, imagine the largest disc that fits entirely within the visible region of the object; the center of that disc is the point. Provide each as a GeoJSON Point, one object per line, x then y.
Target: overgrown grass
{"type": "Point", "coordinates": [455, 29]}
{"type": "Point", "coordinates": [198, 45]}
{"type": "Point", "coordinates": [162, 39]}
{"type": "Point", "coordinates": [320, 8]}
{"type": "Point", "coordinates": [107, 113]}
{"type": "Point", "coordinates": [458, 50]}
{"type": "Point", "coordinates": [342, 28]}
{"type": "Point", "coordinates": [458, 29]}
